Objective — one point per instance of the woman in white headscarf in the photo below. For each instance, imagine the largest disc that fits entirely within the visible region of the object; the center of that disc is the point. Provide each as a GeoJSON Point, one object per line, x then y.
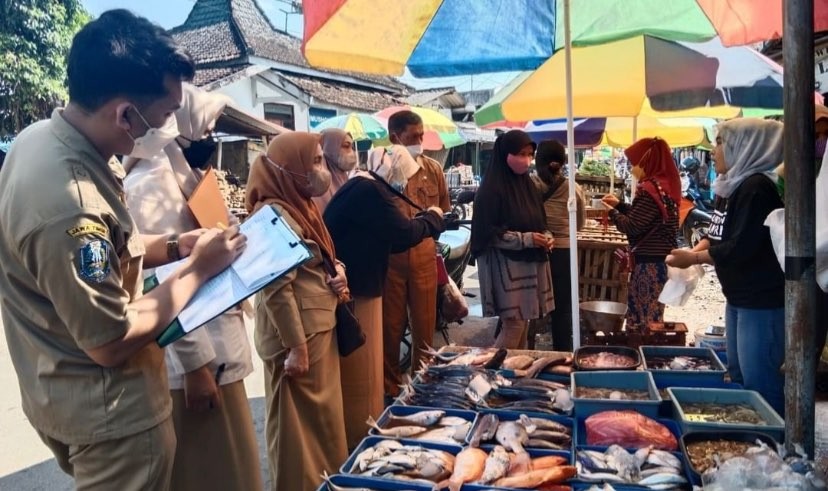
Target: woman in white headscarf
{"type": "Point", "coordinates": [739, 245]}
{"type": "Point", "coordinates": [340, 158]}
{"type": "Point", "coordinates": [216, 439]}
{"type": "Point", "coordinates": [367, 226]}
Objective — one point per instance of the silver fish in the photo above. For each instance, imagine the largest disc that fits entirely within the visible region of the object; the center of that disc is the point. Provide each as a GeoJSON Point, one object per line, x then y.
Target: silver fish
{"type": "Point", "coordinates": [421, 418]}
{"type": "Point", "coordinates": [397, 431]}
{"type": "Point", "coordinates": [549, 425]}
{"type": "Point", "coordinates": [450, 421]}
{"type": "Point", "coordinates": [663, 458]}
{"type": "Point", "coordinates": [485, 430]}
{"type": "Point", "coordinates": [533, 443]}
{"type": "Point", "coordinates": [512, 435]}
{"type": "Point", "coordinates": [497, 465]}
{"type": "Point", "coordinates": [663, 478]}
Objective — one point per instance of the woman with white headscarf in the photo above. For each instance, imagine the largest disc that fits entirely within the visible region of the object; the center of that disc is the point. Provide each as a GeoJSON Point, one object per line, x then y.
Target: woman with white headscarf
{"type": "Point", "coordinates": [340, 158]}
{"type": "Point", "coordinates": [206, 369]}
{"type": "Point", "coordinates": [739, 245]}
{"type": "Point", "coordinates": [367, 227]}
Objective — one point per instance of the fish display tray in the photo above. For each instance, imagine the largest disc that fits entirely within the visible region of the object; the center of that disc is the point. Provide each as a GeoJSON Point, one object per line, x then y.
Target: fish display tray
{"type": "Point", "coordinates": [379, 484]}
{"type": "Point", "coordinates": [514, 416]}
{"type": "Point", "coordinates": [398, 410]}
{"type": "Point", "coordinates": [775, 426]}
{"type": "Point", "coordinates": [534, 453]}
{"type": "Point", "coordinates": [672, 334]}
{"type": "Point", "coordinates": [370, 441]}
{"type": "Point", "coordinates": [666, 410]}
{"type": "Point", "coordinates": [581, 484]}
{"type": "Point", "coordinates": [684, 378]}
{"type": "Point", "coordinates": [579, 436]}
{"type": "Point", "coordinates": [618, 350]}
{"type": "Point", "coordinates": [615, 380]}
{"type": "Point", "coordinates": [739, 436]}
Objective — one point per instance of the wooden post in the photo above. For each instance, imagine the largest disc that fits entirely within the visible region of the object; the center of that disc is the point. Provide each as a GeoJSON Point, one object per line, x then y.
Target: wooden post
{"type": "Point", "coordinates": [800, 221]}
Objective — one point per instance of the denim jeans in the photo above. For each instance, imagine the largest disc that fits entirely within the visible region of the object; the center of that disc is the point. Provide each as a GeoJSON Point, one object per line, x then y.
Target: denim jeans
{"type": "Point", "coordinates": [756, 351]}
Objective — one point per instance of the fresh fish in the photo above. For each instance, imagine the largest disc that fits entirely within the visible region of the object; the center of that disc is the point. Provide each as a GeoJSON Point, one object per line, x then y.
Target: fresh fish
{"type": "Point", "coordinates": [450, 421]}
{"type": "Point", "coordinates": [679, 363]}
{"type": "Point", "coordinates": [612, 394]}
{"type": "Point", "coordinates": [468, 467]}
{"type": "Point", "coordinates": [535, 478]}
{"type": "Point", "coordinates": [533, 443]}
{"type": "Point", "coordinates": [513, 435]}
{"type": "Point", "coordinates": [548, 461]}
{"type": "Point", "coordinates": [559, 369]}
{"type": "Point", "coordinates": [485, 430]}
{"type": "Point", "coordinates": [552, 436]}
{"type": "Point", "coordinates": [421, 418]}
{"type": "Point", "coordinates": [563, 401]}
{"type": "Point", "coordinates": [624, 463]}
{"type": "Point", "coordinates": [606, 487]}
{"type": "Point", "coordinates": [538, 384]}
{"type": "Point", "coordinates": [548, 424]}
{"type": "Point", "coordinates": [397, 431]}
{"type": "Point", "coordinates": [663, 459]}
{"type": "Point", "coordinates": [518, 362]}
{"type": "Point", "coordinates": [497, 465]}
{"type": "Point", "coordinates": [478, 388]}
{"type": "Point", "coordinates": [497, 360]}
{"type": "Point", "coordinates": [541, 364]}
{"type": "Point", "coordinates": [659, 470]}
{"type": "Point", "coordinates": [663, 478]}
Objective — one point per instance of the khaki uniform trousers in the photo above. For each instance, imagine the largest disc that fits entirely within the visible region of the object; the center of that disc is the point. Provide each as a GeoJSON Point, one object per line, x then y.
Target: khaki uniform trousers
{"type": "Point", "coordinates": [410, 293]}
{"type": "Point", "coordinates": [139, 462]}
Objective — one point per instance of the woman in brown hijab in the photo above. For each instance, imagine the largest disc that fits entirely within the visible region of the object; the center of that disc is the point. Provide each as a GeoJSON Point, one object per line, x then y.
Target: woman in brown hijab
{"type": "Point", "coordinates": [340, 157]}
{"type": "Point", "coordinates": [295, 319]}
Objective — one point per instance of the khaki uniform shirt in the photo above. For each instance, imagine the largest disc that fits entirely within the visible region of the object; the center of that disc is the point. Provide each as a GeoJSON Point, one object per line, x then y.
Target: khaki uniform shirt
{"type": "Point", "coordinates": [427, 187]}
{"type": "Point", "coordinates": [70, 264]}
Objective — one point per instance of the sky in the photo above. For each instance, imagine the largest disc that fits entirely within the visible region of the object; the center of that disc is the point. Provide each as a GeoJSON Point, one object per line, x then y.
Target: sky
{"type": "Point", "coordinates": [171, 13]}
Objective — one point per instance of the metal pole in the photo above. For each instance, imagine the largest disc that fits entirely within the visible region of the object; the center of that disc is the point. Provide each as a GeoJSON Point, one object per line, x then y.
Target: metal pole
{"type": "Point", "coordinates": [800, 224]}
{"type": "Point", "coordinates": [634, 181]}
{"type": "Point", "coordinates": [571, 202]}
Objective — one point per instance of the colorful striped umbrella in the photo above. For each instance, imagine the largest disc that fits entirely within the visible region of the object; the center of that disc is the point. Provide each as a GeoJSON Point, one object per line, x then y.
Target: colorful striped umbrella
{"type": "Point", "coordinates": [453, 37]}
{"type": "Point", "coordinates": [361, 126]}
{"type": "Point", "coordinates": [440, 131]}
{"type": "Point", "coordinates": [618, 132]}
{"type": "Point", "coordinates": [625, 78]}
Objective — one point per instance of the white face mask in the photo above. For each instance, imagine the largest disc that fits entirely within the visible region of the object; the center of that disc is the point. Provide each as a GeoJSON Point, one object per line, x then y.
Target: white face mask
{"type": "Point", "coordinates": [155, 139]}
{"type": "Point", "coordinates": [415, 150]}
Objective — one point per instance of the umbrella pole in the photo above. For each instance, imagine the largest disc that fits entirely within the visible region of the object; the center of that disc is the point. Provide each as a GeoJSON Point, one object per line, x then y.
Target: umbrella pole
{"type": "Point", "coordinates": [634, 181]}
{"type": "Point", "coordinates": [800, 221]}
{"type": "Point", "coordinates": [571, 202]}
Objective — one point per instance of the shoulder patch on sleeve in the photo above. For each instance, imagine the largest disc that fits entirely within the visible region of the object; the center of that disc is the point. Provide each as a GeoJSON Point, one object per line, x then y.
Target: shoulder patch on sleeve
{"type": "Point", "coordinates": [93, 261]}
{"type": "Point", "coordinates": [88, 229]}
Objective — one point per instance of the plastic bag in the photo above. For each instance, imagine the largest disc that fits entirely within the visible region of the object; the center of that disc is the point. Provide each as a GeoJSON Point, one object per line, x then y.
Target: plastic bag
{"type": "Point", "coordinates": [776, 224]}
{"type": "Point", "coordinates": [453, 305]}
{"type": "Point", "coordinates": [629, 429]}
{"type": "Point", "coordinates": [680, 285]}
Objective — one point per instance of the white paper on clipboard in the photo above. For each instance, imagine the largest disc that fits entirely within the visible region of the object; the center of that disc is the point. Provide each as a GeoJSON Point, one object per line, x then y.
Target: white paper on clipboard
{"type": "Point", "coordinates": [273, 249]}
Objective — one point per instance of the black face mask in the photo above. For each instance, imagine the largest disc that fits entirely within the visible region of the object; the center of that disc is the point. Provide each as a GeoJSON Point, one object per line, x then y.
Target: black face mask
{"type": "Point", "coordinates": [199, 152]}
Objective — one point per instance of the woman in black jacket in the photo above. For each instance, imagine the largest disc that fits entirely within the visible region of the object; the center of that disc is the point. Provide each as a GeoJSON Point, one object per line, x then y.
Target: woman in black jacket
{"type": "Point", "coordinates": [367, 227]}
{"type": "Point", "coordinates": [739, 245]}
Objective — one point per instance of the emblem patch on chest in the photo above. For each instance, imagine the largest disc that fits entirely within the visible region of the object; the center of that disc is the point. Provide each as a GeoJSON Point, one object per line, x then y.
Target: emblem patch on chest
{"type": "Point", "coordinates": [93, 261]}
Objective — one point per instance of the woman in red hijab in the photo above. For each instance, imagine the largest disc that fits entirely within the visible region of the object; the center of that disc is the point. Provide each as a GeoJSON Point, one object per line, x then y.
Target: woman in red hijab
{"type": "Point", "coordinates": [651, 225]}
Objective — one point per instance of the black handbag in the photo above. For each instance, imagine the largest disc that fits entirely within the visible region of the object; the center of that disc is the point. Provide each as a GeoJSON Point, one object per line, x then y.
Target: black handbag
{"type": "Point", "coordinates": [349, 333]}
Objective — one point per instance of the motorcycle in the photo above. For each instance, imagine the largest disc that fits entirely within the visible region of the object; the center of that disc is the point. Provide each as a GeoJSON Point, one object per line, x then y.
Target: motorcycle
{"type": "Point", "coordinates": [694, 211]}
{"type": "Point", "coordinates": [461, 200]}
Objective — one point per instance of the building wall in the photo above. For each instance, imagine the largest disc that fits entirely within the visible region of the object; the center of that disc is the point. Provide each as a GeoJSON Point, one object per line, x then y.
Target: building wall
{"type": "Point", "coordinates": [251, 96]}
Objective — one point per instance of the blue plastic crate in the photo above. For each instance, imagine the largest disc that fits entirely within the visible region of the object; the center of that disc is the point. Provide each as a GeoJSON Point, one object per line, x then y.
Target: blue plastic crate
{"type": "Point", "coordinates": [580, 436]}
{"type": "Point", "coordinates": [695, 436]}
{"type": "Point", "coordinates": [379, 484]}
{"type": "Point", "coordinates": [513, 416]}
{"type": "Point", "coordinates": [683, 377]}
{"type": "Point", "coordinates": [370, 441]}
{"type": "Point", "coordinates": [615, 380]}
{"type": "Point", "coordinates": [580, 484]}
{"type": "Point", "coordinates": [775, 426]}
{"type": "Point", "coordinates": [665, 409]}
{"type": "Point", "coordinates": [397, 410]}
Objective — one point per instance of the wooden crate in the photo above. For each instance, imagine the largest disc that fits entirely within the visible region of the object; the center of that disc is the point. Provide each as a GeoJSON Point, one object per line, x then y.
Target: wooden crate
{"type": "Point", "coordinates": [655, 335]}
{"type": "Point", "coordinates": [600, 276]}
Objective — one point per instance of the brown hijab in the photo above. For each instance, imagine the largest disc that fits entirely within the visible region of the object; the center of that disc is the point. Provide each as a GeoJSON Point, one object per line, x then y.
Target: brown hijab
{"type": "Point", "coordinates": [271, 181]}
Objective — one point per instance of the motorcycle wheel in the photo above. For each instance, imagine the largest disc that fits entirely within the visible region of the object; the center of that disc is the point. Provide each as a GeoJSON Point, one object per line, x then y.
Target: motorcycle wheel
{"type": "Point", "coordinates": [693, 231]}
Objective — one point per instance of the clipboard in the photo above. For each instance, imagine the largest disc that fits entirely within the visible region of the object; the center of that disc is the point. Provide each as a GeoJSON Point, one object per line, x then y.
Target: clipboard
{"type": "Point", "coordinates": [273, 250]}
{"type": "Point", "coordinates": [207, 203]}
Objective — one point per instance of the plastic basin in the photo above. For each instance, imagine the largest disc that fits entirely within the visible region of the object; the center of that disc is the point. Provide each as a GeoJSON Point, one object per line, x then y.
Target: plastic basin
{"type": "Point", "coordinates": [615, 380]}
{"type": "Point", "coordinates": [683, 378]}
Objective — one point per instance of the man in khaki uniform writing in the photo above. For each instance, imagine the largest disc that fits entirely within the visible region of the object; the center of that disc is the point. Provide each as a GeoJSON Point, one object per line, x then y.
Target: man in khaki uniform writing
{"type": "Point", "coordinates": [81, 338]}
{"type": "Point", "coordinates": [411, 285]}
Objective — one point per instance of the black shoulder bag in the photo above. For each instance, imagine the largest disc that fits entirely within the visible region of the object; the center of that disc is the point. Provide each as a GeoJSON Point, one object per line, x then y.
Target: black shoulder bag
{"type": "Point", "coordinates": [349, 333]}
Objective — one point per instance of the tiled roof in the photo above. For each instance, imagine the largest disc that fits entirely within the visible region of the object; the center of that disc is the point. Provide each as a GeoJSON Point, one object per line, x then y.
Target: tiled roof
{"type": "Point", "coordinates": [342, 94]}
{"type": "Point", "coordinates": [225, 31]}
{"type": "Point", "coordinates": [207, 76]}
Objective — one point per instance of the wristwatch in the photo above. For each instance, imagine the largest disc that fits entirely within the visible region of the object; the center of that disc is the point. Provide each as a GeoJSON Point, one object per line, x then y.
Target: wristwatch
{"type": "Point", "coordinates": [173, 253]}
